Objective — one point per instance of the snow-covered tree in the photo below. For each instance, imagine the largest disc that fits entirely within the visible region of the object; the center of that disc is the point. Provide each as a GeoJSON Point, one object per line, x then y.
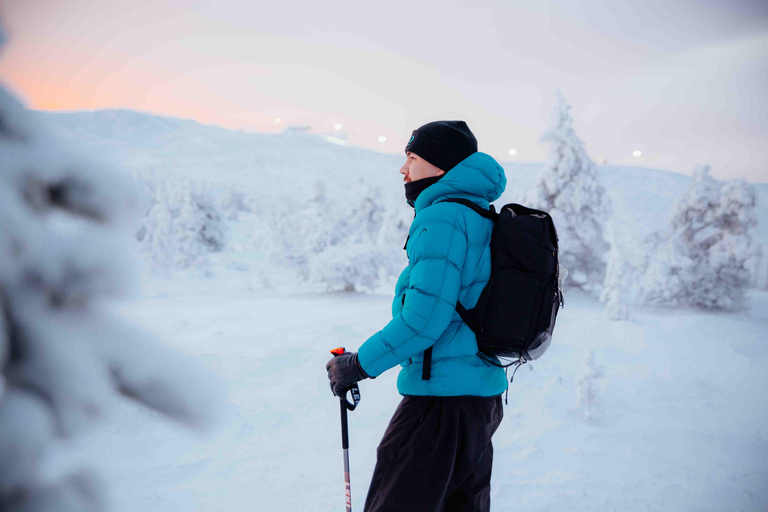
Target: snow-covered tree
{"type": "Point", "coordinates": [570, 191]}
{"type": "Point", "coordinates": [182, 224]}
{"type": "Point", "coordinates": [618, 286]}
{"type": "Point", "coordinates": [758, 267]}
{"type": "Point", "coordinates": [66, 360]}
{"type": "Point", "coordinates": [349, 267]}
{"type": "Point", "coordinates": [703, 262]}
{"type": "Point", "coordinates": [299, 232]}
{"type": "Point", "coordinates": [587, 386]}
{"type": "Point", "coordinates": [368, 215]}
{"type": "Point", "coordinates": [394, 225]}
{"type": "Point", "coordinates": [336, 243]}
{"type": "Point", "coordinates": [186, 229]}
{"type": "Point", "coordinates": [156, 234]}
{"type": "Point", "coordinates": [354, 258]}
{"type": "Point", "coordinates": [234, 202]}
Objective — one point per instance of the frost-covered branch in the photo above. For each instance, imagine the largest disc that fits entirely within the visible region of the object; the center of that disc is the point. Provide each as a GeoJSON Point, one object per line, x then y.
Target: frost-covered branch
{"type": "Point", "coordinates": [66, 361]}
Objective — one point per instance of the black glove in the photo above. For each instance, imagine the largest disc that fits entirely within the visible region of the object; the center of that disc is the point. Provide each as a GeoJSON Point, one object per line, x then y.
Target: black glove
{"type": "Point", "coordinates": [343, 371]}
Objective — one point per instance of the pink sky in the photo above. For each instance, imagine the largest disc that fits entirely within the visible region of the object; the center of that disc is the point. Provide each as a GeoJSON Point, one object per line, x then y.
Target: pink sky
{"type": "Point", "coordinates": [684, 84]}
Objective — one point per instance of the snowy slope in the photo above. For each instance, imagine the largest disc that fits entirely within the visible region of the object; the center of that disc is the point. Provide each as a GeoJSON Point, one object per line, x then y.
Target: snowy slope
{"type": "Point", "coordinates": [265, 164]}
{"type": "Point", "coordinates": [260, 163]}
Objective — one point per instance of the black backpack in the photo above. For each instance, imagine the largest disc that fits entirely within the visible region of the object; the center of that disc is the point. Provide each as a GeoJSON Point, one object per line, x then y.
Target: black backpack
{"type": "Point", "coordinates": [515, 314]}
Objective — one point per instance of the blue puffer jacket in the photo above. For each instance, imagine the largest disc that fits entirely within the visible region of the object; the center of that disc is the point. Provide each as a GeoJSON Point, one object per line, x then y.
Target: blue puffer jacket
{"type": "Point", "coordinates": [449, 260]}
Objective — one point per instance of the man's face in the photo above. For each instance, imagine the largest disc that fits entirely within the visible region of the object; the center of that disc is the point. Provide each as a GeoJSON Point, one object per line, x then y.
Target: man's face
{"type": "Point", "coordinates": [416, 168]}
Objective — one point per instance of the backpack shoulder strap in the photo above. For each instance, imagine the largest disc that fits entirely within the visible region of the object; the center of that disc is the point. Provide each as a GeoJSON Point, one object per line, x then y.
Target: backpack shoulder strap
{"type": "Point", "coordinates": [426, 372]}
{"type": "Point", "coordinates": [489, 214]}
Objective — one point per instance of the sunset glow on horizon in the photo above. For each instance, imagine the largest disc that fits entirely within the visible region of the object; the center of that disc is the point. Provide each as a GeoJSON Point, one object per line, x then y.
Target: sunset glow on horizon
{"type": "Point", "coordinates": [235, 65]}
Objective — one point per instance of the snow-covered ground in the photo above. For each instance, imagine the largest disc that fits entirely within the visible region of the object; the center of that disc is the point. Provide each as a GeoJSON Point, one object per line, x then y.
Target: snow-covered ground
{"type": "Point", "coordinates": [663, 412]}
{"type": "Point", "coordinates": [677, 422]}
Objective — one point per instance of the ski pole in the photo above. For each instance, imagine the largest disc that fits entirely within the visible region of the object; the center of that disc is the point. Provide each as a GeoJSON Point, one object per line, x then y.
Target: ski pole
{"type": "Point", "coordinates": [346, 405]}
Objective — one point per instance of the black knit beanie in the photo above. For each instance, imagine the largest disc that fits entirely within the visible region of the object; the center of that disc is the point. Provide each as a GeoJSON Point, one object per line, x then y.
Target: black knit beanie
{"type": "Point", "coordinates": [443, 143]}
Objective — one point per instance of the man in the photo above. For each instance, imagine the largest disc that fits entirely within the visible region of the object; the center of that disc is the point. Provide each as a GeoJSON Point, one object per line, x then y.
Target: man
{"type": "Point", "coordinates": [436, 453]}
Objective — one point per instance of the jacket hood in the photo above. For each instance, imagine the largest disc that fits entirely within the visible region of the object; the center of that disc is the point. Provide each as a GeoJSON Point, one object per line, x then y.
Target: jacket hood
{"type": "Point", "coordinates": [478, 178]}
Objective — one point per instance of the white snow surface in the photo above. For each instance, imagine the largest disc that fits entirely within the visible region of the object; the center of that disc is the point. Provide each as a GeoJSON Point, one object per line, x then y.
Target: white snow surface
{"type": "Point", "coordinates": [675, 420]}
{"type": "Point", "coordinates": [663, 412]}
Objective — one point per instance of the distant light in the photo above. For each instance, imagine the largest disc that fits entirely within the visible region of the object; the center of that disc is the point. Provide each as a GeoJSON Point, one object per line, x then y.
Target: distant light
{"type": "Point", "coordinates": [337, 126]}
{"type": "Point", "coordinates": [512, 151]}
{"type": "Point", "coordinates": [277, 120]}
{"type": "Point", "coordinates": [637, 153]}
{"type": "Point", "coordinates": [382, 138]}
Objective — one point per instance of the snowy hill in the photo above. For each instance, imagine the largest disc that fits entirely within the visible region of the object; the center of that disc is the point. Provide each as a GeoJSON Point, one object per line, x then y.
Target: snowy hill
{"type": "Point", "coordinates": [262, 163]}
{"type": "Point", "coordinates": [266, 164]}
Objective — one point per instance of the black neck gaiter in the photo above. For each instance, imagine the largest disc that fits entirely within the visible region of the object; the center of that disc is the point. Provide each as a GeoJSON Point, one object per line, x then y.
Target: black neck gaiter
{"type": "Point", "coordinates": [414, 188]}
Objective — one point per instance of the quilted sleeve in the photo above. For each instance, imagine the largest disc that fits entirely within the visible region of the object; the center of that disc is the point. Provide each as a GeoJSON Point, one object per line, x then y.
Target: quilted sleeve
{"type": "Point", "coordinates": [436, 251]}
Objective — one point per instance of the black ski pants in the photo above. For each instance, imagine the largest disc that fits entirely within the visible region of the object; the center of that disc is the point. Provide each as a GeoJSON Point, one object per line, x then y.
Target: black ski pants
{"type": "Point", "coordinates": [436, 456]}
